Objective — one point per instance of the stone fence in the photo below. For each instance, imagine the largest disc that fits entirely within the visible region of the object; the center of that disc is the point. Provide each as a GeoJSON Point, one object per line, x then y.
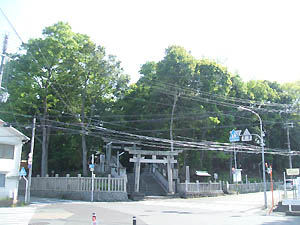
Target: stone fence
{"type": "Point", "coordinates": [78, 188]}
{"type": "Point", "coordinates": [199, 189]}
{"type": "Point", "coordinates": [212, 189]}
{"type": "Point", "coordinates": [250, 187]}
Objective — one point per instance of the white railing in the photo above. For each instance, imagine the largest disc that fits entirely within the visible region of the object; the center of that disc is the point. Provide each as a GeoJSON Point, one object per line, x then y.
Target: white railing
{"type": "Point", "coordinates": [101, 184]}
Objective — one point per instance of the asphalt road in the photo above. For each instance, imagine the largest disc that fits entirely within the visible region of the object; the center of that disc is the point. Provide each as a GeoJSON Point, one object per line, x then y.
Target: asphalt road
{"type": "Point", "coordinates": [240, 209]}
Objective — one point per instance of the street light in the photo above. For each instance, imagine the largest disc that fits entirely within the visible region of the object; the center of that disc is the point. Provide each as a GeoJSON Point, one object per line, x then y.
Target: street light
{"type": "Point", "coordinates": [262, 150]}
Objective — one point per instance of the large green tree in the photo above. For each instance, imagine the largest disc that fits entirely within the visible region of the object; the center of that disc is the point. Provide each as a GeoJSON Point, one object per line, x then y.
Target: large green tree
{"type": "Point", "coordinates": [63, 73]}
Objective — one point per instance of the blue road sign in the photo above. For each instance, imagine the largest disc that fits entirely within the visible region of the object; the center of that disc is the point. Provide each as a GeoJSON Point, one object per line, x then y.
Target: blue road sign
{"type": "Point", "coordinates": [91, 166]}
{"type": "Point", "coordinates": [23, 172]}
{"type": "Point", "coordinates": [234, 136]}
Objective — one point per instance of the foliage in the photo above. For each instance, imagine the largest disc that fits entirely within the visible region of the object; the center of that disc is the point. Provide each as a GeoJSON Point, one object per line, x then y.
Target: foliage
{"type": "Point", "coordinates": [73, 86]}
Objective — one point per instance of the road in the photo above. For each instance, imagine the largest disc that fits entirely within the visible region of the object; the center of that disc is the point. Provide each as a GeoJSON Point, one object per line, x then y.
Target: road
{"type": "Point", "coordinates": [243, 209]}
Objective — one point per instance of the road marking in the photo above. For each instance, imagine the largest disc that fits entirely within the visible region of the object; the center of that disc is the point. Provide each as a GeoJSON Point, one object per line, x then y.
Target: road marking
{"type": "Point", "coordinates": [16, 215]}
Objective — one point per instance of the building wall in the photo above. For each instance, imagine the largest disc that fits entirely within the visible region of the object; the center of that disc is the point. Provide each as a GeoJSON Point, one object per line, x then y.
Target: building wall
{"type": "Point", "coordinates": [10, 167]}
{"type": "Point", "coordinates": [11, 188]}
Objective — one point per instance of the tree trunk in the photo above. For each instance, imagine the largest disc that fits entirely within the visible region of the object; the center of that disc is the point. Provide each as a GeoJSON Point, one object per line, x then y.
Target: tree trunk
{"type": "Point", "coordinates": [44, 162]}
{"type": "Point", "coordinates": [83, 136]}
{"type": "Point", "coordinates": [46, 134]}
{"type": "Point", "coordinates": [84, 152]}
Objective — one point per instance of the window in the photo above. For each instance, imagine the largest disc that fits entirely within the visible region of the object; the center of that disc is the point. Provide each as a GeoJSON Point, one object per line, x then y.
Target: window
{"type": "Point", "coordinates": [7, 151]}
{"type": "Point", "coordinates": [2, 180]}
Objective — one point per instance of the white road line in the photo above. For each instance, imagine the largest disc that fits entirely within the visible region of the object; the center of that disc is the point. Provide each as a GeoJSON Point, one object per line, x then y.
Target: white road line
{"type": "Point", "coordinates": [16, 215]}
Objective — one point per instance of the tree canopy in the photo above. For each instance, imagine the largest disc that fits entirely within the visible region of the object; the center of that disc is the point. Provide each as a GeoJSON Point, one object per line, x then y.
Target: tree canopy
{"type": "Point", "coordinates": [75, 89]}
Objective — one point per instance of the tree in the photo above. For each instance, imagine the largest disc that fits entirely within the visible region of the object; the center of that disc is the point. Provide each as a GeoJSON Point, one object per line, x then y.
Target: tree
{"type": "Point", "coordinates": [63, 73]}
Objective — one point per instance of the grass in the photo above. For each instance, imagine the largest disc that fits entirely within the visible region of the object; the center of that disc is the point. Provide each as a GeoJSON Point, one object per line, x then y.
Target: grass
{"type": "Point", "coordinates": [7, 202]}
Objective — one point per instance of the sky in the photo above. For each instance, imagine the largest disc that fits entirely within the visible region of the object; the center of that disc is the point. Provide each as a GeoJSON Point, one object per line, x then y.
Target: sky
{"type": "Point", "coordinates": [258, 39]}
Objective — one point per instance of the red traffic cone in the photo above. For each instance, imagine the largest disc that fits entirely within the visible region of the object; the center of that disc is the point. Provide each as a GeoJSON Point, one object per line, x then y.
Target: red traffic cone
{"type": "Point", "coordinates": [94, 220]}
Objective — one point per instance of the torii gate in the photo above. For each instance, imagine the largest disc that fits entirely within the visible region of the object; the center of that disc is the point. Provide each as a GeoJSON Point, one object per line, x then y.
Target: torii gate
{"type": "Point", "coordinates": [168, 157]}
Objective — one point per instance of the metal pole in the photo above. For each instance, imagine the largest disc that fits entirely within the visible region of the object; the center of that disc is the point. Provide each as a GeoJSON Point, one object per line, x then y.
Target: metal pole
{"type": "Point", "coordinates": [92, 193]}
{"type": "Point", "coordinates": [30, 160]}
{"type": "Point", "coordinates": [26, 189]}
{"type": "Point", "coordinates": [262, 151]}
{"type": "Point", "coordinates": [263, 159]}
{"type": "Point", "coordinates": [289, 147]}
{"type": "Point", "coordinates": [235, 163]}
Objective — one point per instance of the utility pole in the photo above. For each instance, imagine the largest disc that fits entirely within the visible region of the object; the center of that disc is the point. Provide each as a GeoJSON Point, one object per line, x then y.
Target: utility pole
{"type": "Point", "coordinates": [30, 158]}
{"type": "Point", "coordinates": [3, 58]}
{"type": "Point", "coordinates": [172, 119]}
{"type": "Point", "coordinates": [287, 126]}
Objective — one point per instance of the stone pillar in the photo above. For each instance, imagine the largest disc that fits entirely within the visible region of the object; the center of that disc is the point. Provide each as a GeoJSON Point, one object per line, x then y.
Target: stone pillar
{"type": "Point", "coordinates": [187, 174]}
{"type": "Point", "coordinates": [108, 157]}
{"type": "Point", "coordinates": [137, 173]}
{"type": "Point", "coordinates": [170, 177]}
{"type": "Point", "coordinates": [102, 163]}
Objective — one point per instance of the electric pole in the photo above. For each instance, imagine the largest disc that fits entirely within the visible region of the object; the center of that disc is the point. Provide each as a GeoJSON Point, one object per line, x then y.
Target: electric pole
{"type": "Point", "coordinates": [30, 159]}
{"type": "Point", "coordinates": [3, 58]}
{"type": "Point", "coordinates": [287, 126]}
{"type": "Point", "coordinates": [3, 94]}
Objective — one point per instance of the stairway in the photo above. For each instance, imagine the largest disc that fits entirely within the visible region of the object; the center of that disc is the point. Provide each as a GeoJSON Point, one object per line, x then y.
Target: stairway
{"type": "Point", "coordinates": [149, 185]}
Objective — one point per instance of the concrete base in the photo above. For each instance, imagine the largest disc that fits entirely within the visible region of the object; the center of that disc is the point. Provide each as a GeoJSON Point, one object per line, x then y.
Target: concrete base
{"type": "Point", "coordinates": [204, 194]}
{"type": "Point", "coordinates": [137, 196]}
{"type": "Point", "coordinates": [81, 195]}
{"type": "Point", "coordinates": [6, 203]}
{"type": "Point", "coordinates": [293, 213]}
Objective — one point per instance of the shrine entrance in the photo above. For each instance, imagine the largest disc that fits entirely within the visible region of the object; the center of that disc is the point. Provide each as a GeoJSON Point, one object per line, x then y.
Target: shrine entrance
{"type": "Point", "coordinates": [148, 156]}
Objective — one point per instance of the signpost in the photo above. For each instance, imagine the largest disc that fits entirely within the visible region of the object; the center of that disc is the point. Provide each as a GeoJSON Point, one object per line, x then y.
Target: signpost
{"type": "Point", "coordinates": [23, 174]}
{"type": "Point", "coordinates": [234, 137]}
{"type": "Point", "coordinates": [92, 167]}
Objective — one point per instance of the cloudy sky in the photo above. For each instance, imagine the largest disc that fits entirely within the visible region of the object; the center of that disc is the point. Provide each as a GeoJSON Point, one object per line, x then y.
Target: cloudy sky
{"type": "Point", "coordinates": [257, 39]}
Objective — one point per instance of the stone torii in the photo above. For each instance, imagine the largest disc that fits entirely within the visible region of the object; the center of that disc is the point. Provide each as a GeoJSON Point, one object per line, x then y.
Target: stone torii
{"type": "Point", "coordinates": [139, 157]}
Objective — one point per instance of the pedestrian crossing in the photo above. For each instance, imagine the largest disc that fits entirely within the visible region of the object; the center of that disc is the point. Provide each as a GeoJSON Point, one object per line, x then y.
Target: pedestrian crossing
{"type": "Point", "coordinates": [206, 204]}
{"type": "Point", "coordinates": [16, 215]}
{"type": "Point", "coordinates": [23, 215]}
{"type": "Point", "coordinates": [43, 201]}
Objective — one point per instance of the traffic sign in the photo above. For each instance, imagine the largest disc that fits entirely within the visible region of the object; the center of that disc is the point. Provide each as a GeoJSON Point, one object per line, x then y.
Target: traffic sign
{"type": "Point", "coordinates": [23, 172]}
{"type": "Point", "coordinates": [237, 175]}
{"type": "Point", "coordinates": [246, 136]}
{"type": "Point", "coordinates": [292, 172]}
{"type": "Point", "coordinates": [92, 167]}
{"type": "Point", "coordinates": [234, 135]}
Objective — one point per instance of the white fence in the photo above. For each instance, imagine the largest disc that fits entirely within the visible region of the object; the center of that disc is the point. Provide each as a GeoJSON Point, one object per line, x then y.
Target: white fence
{"type": "Point", "coordinates": [81, 184]}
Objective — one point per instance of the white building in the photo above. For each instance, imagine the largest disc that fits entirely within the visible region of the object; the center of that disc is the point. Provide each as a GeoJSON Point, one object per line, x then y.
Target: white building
{"type": "Point", "coordinates": [11, 142]}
